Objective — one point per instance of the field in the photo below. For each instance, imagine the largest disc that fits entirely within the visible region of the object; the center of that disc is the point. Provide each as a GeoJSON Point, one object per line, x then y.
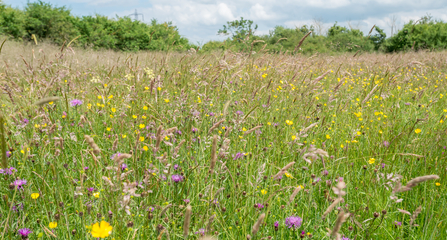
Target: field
{"type": "Point", "coordinates": [165, 145]}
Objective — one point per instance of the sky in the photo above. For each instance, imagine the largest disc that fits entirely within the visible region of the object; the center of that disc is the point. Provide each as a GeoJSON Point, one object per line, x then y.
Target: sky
{"type": "Point", "coordinates": [199, 20]}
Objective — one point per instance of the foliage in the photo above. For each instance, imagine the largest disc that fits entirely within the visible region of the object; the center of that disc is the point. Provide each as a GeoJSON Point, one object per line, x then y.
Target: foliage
{"type": "Point", "coordinates": [57, 24]}
{"type": "Point", "coordinates": [239, 29]}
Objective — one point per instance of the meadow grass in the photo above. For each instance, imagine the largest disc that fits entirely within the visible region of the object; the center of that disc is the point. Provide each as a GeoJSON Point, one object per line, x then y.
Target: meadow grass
{"type": "Point", "coordinates": [226, 145]}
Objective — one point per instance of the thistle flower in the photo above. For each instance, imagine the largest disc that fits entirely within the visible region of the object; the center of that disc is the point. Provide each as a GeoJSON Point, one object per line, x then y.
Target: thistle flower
{"type": "Point", "coordinates": [294, 222]}
{"type": "Point", "coordinates": [177, 178]}
{"type": "Point", "coordinates": [19, 183]}
{"type": "Point", "coordinates": [201, 232]}
{"type": "Point", "coordinates": [75, 102]}
{"type": "Point", "coordinates": [8, 153]}
{"type": "Point", "coordinates": [24, 232]}
{"type": "Point", "coordinates": [239, 113]}
{"type": "Point", "coordinates": [238, 155]}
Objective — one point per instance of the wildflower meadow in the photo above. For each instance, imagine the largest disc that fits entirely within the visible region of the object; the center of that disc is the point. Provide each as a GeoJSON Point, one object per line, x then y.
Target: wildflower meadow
{"type": "Point", "coordinates": [221, 145]}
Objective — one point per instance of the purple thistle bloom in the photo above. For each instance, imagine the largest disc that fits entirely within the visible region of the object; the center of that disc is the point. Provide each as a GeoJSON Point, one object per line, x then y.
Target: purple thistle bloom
{"type": "Point", "coordinates": [276, 224]}
{"type": "Point", "coordinates": [386, 144]}
{"type": "Point", "coordinates": [123, 166]}
{"type": "Point", "coordinates": [8, 171]}
{"type": "Point", "coordinates": [90, 189]}
{"type": "Point", "coordinates": [186, 201]}
{"type": "Point", "coordinates": [238, 155]}
{"type": "Point", "coordinates": [259, 206]}
{"type": "Point", "coordinates": [294, 222]}
{"type": "Point", "coordinates": [175, 166]}
{"type": "Point", "coordinates": [239, 113]}
{"type": "Point", "coordinates": [345, 238]}
{"type": "Point", "coordinates": [25, 232]}
{"type": "Point", "coordinates": [396, 223]}
{"type": "Point", "coordinates": [325, 173]}
{"type": "Point", "coordinates": [201, 232]}
{"type": "Point", "coordinates": [179, 132]}
{"type": "Point", "coordinates": [85, 168]}
{"type": "Point", "coordinates": [177, 178]}
{"type": "Point", "coordinates": [75, 102]}
{"type": "Point", "coordinates": [264, 105]}
{"type": "Point", "coordinates": [407, 103]}
{"type": "Point", "coordinates": [151, 209]}
{"type": "Point", "coordinates": [383, 165]}
{"type": "Point", "coordinates": [194, 130]}
{"type": "Point", "coordinates": [115, 154]}
{"type": "Point", "coordinates": [8, 153]}
{"type": "Point", "coordinates": [19, 183]}
{"type": "Point", "coordinates": [16, 208]}
{"type": "Point", "coordinates": [25, 121]}
{"type": "Point", "coordinates": [211, 114]}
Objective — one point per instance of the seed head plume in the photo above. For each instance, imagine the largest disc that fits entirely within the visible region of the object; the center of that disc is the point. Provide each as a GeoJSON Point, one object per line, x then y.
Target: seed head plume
{"type": "Point", "coordinates": [213, 154]}
{"type": "Point", "coordinates": [216, 125]}
{"type": "Point", "coordinates": [252, 130]}
{"type": "Point", "coordinates": [295, 192]}
{"type": "Point", "coordinates": [158, 141]}
{"type": "Point", "coordinates": [257, 225]}
{"type": "Point", "coordinates": [283, 170]}
{"type": "Point", "coordinates": [92, 144]}
{"type": "Point", "coordinates": [187, 221]}
{"type": "Point", "coordinates": [342, 217]}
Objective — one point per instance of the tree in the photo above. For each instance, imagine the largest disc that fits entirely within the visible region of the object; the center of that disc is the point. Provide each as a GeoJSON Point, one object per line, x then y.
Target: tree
{"type": "Point", "coordinates": [239, 29]}
{"type": "Point", "coordinates": [379, 38]}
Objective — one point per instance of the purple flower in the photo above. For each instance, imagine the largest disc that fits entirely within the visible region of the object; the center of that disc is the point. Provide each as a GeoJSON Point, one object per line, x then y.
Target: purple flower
{"type": "Point", "coordinates": [8, 171]}
{"type": "Point", "coordinates": [75, 102]}
{"type": "Point", "coordinates": [175, 166]}
{"type": "Point", "coordinates": [259, 206]}
{"type": "Point", "coordinates": [407, 103]}
{"type": "Point", "coordinates": [8, 153]}
{"type": "Point", "coordinates": [177, 178]}
{"type": "Point", "coordinates": [276, 224]}
{"type": "Point", "coordinates": [25, 232]}
{"type": "Point", "coordinates": [201, 232]}
{"type": "Point", "coordinates": [345, 238]}
{"type": "Point", "coordinates": [186, 201]}
{"type": "Point", "coordinates": [151, 209]}
{"type": "Point", "coordinates": [325, 173]}
{"type": "Point", "coordinates": [317, 180]}
{"type": "Point", "coordinates": [275, 124]}
{"type": "Point", "coordinates": [294, 222]}
{"type": "Point", "coordinates": [25, 121]}
{"type": "Point", "coordinates": [340, 179]}
{"type": "Point", "coordinates": [238, 155]}
{"type": "Point", "coordinates": [90, 189]}
{"type": "Point", "coordinates": [19, 183]}
{"type": "Point", "coordinates": [239, 113]}
{"type": "Point", "coordinates": [194, 130]}
{"type": "Point", "coordinates": [211, 114]}
{"type": "Point", "coordinates": [396, 223]}
{"type": "Point", "coordinates": [16, 208]}
{"type": "Point", "coordinates": [179, 132]}
{"type": "Point", "coordinates": [123, 166]}
{"type": "Point", "coordinates": [383, 165]}
{"type": "Point", "coordinates": [264, 105]}
{"type": "Point", "coordinates": [258, 132]}
{"type": "Point", "coordinates": [386, 144]}
{"type": "Point", "coordinates": [85, 168]}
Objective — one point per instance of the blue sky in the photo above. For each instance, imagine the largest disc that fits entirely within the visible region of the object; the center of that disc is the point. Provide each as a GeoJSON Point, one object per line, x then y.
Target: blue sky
{"type": "Point", "coordinates": [199, 20]}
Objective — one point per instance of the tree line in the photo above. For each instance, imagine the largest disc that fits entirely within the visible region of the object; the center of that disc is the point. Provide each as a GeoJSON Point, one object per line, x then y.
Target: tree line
{"type": "Point", "coordinates": [43, 21]}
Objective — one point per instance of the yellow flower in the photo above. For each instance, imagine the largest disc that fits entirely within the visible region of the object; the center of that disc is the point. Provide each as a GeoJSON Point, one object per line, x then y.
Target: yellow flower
{"type": "Point", "coordinates": [244, 129]}
{"type": "Point", "coordinates": [289, 122]}
{"type": "Point", "coordinates": [417, 131]}
{"type": "Point", "coordinates": [113, 109]}
{"type": "Point", "coordinates": [110, 97]}
{"type": "Point", "coordinates": [141, 139]}
{"type": "Point", "coordinates": [144, 108]}
{"type": "Point", "coordinates": [145, 148]}
{"type": "Point", "coordinates": [99, 96]}
{"type": "Point", "coordinates": [159, 88]}
{"type": "Point", "coordinates": [108, 129]}
{"type": "Point", "coordinates": [35, 195]}
{"type": "Point", "coordinates": [52, 225]}
{"type": "Point", "coordinates": [263, 191]}
{"type": "Point", "coordinates": [166, 138]}
{"type": "Point", "coordinates": [96, 194]}
{"type": "Point", "coordinates": [101, 230]}
{"type": "Point", "coordinates": [167, 100]}
{"type": "Point", "coordinates": [438, 184]}
{"type": "Point", "coordinates": [142, 126]}
{"type": "Point", "coordinates": [327, 136]}
{"type": "Point", "coordinates": [359, 133]}
{"type": "Point", "coordinates": [51, 103]}
{"type": "Point", "coordinates": [371, 160]}
{"type": "Point", "coordinates": [124, 136]}
{"type": "Point", "coordinates": [288, 175]}
{"type": "Point", "coordinates": [134, 116]}
{"type": "Point", "coordinates": [293, 137]}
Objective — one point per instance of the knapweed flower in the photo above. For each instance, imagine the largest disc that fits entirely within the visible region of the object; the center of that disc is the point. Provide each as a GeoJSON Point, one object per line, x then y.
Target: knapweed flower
{"type": "Point", "coordinates": [25, 121]}
{"type": "Point", "coordinates": [52, 225]}
{"type": "Point", "coordinates": [19, 183]}
{"type": "Point", "coordinates": [239, 113]}
{"type": "Point", "coordinates": [24, 232]}
{"type": "Point", "coordinates": [75, 102]}
{"type": "Point", "coordinates": [175, 166]}
{"type": "Point", "coordinates": [325, 173]}
{"type": "Point", "coordinates": [186, 201]}
{"type": "Point", "coordinates": [8, 153]}
{"type": "Point", "coordinates": [8, 171]}
{"type": "Point", "coordinates": [259, 206]}
{"type": "Point", "coordinates": [177, 178]}
{"type": "Point", "coordinates": [151, 209]}
{"type": "Point", "coordinates": [211, 114]}
{"type": "Point", "coordinates": [386, 144]}
{"type": "Point", "coordinates": [194, 130]}
{"type": "Point", "coordinates": [123, 166]}
{"type": "Point", "coordinates": [396, 223]}
{"type": "Point", "coordinates": [201, 232]}
{"type": "Point", "coordinates": [294, 222]}
{"type": "Point", "coordinates": [101, 230]}
{"type": "Point", "coordinates": [115, 154]}
{"type": "Point", "coordinates": [35, 195]}
{"type": "Point", "coordinates": [276, 224]}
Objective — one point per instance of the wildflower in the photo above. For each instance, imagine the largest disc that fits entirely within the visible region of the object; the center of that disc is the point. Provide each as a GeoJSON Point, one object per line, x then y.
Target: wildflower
{"type": "Point", "coordinates": [96, 194]}
{"type": "Point", "coordinates": [15, 207]}
{"type": "Point", "coordinates": [25, 121]}
{"type": "Point", "coordinates": [293, 137]}
{"type": "Point", "coordinates": [177, 178]}
{"type": "Point", "coordinates": [289, 122]}
{"type": "Point", "coordinates": [194, 130]}
{"type": "Point", "coordinates": [396, 223]}
{"type": "Point", "coordinates": [115, 154]}
{"type": "Point", "coordinates": [263, 191]}
{"type": "Point", "coordinates": [52, 225]}
{"type": "Point", "coordinates": [371, 160]}
{"type": "Point", "coordinates": [239, 113]}
{"type": "Point", "coordinates": [90, 189]}
{"type": "Point", "coordinates": [151, 209]}
{"type": "Point", "coordinates": [288, 175]}
{"type": "Point", "coordinates": [141, 126]}
{"type": "Point", "coordinates": [325, 173]}
{"type": "Point", "coordinates": [25, 232]}
{"type": "Point", "coordinates": [294, 222]}
{"type": "Point", "coordinates": [417, 131]}
{"type": "Point", "coordinates": [175, 166]}
{"type": "Point", "coordinates": [145, 148]}
{"type": "Point", "coordinates": [238, 155]}
{"type": "Point", "coordinates": [101, 230]}
{"type": "Point", "coordinates": [201, 232]}
{"type": "Point", "coordinates": [186, 201]}
{"type": "Point", "coordinates": [259, 206]}
{"type": "Point", "coordinates": [123, 167]}
{"type": "Point", "coordinates": [35, 195]}
{"type": "Point", "coordinates": [386, 144]}
{"type": "Point", "coordinates": [19, 183]}
{"type": "Point", "coordinates": [276, 224]}
{"type": "Point", "coordinates": [166, 100]}
{"type": "Point", "coordinates": [75, 102]}
{"type": "Point", "coordinates": [211, 114]}
{"type": "Point", "coordinates": [438, 184]}
{"type": "Point", "coordinates": [7, 171]}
